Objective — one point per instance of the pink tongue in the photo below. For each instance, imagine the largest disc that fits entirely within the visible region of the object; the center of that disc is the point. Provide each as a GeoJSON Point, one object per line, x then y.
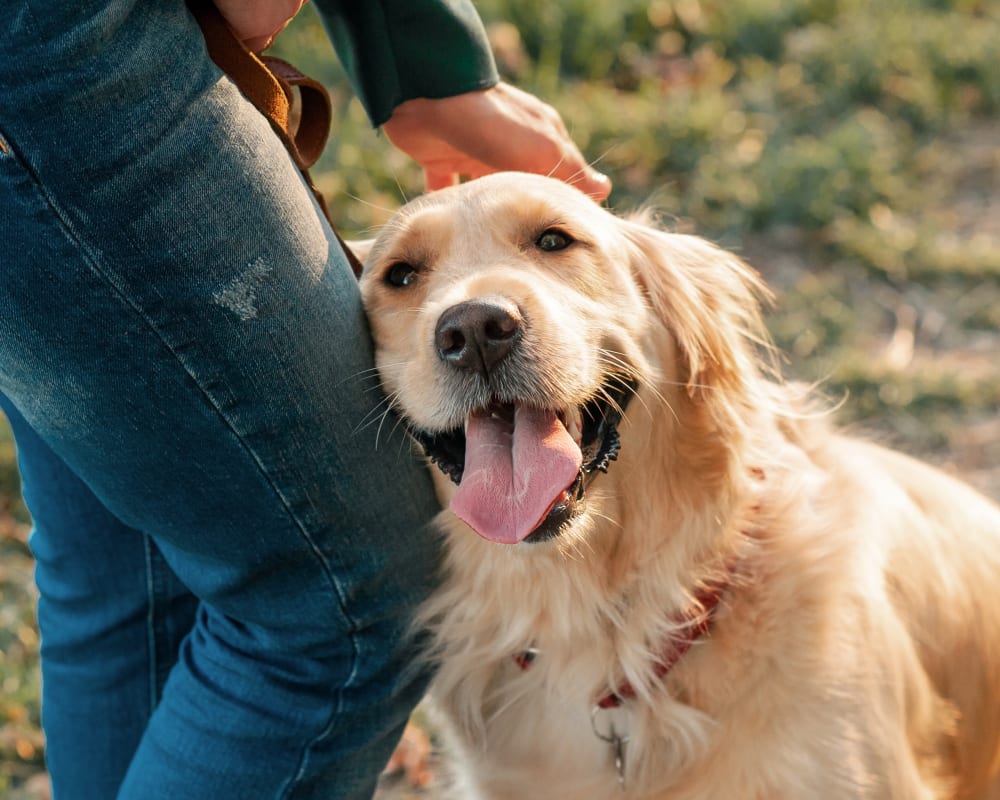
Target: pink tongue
{"type": "Point", "coordinates": [514, 474]}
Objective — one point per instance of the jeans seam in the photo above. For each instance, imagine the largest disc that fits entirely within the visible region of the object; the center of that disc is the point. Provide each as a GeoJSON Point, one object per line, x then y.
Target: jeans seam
{"type": "Point", "coordinates": [93, 264]}
{"type": "Point", "coordinates": [150, 624]}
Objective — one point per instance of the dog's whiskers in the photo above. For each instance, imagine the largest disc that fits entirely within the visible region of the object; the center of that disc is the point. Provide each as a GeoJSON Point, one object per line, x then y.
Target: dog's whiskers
{"type": "Point", "coordinates": [370, 372]}
{"type": "Point", "coordinates": [630, 374]}
{"type": "Point", "coordinates": [655, 392]}
{"type": "Point", "coordinates": [570, 179]}
{"type": "Point", "coordinates": [606, 518]}
{"type": "Point", "coordinates": [570, 549]}
{"type": "Point", "coordinates": [621, 368]}
{"type": "Point", "coordinates": [376, 413]}
{"type": "Point", "coordinates": [610, 400]}
{"type": "Point", "coordinates": [399, 186]}
{"type": "Point", "coordinates": [400, 420]}
{"type": "Point", "coordinates": [555, 167]}
{"type": "Point", "coordinates": [370, 204]}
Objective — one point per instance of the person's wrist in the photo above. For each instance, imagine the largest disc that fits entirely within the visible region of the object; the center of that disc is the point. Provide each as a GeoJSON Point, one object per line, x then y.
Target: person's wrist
{"type": "Point", "coordinates": [428, 110]}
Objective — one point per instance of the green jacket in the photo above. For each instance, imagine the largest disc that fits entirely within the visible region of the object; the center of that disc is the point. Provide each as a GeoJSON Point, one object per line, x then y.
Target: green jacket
{"type": "Point", "coordinates": [396, 50]}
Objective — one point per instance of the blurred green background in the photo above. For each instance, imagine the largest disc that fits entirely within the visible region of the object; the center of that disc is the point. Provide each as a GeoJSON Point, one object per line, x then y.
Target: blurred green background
{"type": "Point", "coordinates": [849, 150]}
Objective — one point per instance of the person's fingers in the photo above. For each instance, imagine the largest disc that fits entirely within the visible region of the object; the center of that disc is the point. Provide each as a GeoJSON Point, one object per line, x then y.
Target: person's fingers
{"type": "Point", "coordinates": [573, 168]}
{"type": "Point", "coordinates": [596, 184]}
{"type": "Point", "coordinates": [258, 45]}
{"type": "Point", "coordinates": [435, 179]}
{"type": "Point", "coordinates": [547, 155]}
{"type": "Point", "coordinates": [484, 131]}
{"type": "Point", "coordinates": [584, 177]}
{"type": "Point", "coordinates": [524, 134]}
{"type": "Point", "coordinates": [257, 22]}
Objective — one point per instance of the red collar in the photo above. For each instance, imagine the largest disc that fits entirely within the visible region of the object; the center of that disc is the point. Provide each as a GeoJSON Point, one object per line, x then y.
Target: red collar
{"type": "Point", "coordinates": [695, 624]}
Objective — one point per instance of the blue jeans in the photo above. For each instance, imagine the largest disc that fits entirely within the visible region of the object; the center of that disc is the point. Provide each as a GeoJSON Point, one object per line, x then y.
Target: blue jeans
{"type": "Point", "coordinates": [228, 538]}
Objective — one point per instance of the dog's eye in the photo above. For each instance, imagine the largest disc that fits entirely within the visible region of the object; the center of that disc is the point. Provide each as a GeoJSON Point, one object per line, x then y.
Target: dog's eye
{"type": "Point", "coordinates": [552, 240]}
{"type": "Point", "coordinates": [401, 274]}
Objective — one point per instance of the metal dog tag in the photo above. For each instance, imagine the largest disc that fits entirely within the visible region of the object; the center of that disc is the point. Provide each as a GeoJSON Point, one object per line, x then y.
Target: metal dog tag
{"type": "Point", "coordinates": [619, 746]}
{"type": "Point", "coordinates": [611, 725]}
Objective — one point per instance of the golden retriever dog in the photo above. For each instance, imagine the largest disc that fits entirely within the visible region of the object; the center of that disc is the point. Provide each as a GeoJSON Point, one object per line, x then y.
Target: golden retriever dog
{"type": "Point", "coordinates": [667, 575]}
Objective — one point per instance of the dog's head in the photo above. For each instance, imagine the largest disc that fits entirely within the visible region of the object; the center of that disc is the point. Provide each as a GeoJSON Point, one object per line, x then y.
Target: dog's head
{"type": "Point", "coordinates": [518, 326]}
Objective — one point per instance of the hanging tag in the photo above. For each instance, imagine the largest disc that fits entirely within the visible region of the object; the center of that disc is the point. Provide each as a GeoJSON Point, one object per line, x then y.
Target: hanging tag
{"type": "Point", "coordinates": [611, 725]}
{"type": "Point", "coordinates": [619, 746]}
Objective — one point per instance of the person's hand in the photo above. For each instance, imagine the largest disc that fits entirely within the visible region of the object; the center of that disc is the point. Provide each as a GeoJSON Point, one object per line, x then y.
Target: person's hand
{"type": "Point", "coordinates": [479, 132]}
{"type": "Point", "coordinates": [257, 22]}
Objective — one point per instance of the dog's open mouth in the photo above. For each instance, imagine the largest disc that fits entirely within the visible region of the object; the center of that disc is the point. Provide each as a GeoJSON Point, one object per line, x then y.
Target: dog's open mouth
{"type": "Point", "coordinates": [522, 472]}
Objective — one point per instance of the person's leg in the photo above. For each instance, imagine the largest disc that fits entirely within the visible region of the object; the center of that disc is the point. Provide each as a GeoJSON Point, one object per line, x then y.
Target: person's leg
{"type": "Point", "coordinates": [111, 614]}
{"type": "Point", "coordinates": [179, 327]}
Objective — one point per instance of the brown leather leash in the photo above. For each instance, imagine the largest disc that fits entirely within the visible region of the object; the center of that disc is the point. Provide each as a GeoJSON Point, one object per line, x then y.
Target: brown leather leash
{"type": "Point", "coordinates": [269, 83]}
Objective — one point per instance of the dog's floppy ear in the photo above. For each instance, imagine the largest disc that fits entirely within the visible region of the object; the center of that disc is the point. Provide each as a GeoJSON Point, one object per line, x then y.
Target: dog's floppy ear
{"type": "Point", "coordinates": [708, 299]}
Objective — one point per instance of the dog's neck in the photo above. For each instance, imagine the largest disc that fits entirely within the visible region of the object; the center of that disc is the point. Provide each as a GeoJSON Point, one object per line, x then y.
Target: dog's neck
{"type": "Point", "coordinates": [694, 624]}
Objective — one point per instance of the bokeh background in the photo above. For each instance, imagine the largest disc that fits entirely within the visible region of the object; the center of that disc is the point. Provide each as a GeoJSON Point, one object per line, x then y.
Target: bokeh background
{"type": "Point", "coordinates": [848, 149]}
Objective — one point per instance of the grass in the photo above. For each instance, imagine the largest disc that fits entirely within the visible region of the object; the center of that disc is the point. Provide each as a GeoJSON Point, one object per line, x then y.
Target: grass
{"type": "Point", "coordinates": [848, 150]}
{"type": "Point", "coordinates": [21, 742]}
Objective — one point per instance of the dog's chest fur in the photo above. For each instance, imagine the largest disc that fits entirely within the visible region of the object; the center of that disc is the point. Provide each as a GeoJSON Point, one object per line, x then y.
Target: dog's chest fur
{"type": "Point", "coordinates": [770, 704]}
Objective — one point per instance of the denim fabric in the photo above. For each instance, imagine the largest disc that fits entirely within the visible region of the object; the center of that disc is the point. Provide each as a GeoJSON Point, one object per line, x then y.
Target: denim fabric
{"type": "Point", "coordinates": [229, 540]}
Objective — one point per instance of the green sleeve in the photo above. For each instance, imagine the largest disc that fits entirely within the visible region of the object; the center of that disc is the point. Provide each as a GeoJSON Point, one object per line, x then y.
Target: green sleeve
{"type": "Point", "coordinates": [396, 50]}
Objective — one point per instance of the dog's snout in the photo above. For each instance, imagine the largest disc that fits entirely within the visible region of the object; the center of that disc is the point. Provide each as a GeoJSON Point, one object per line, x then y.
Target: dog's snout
{"type": "Point", "coordinates": [477, 335]}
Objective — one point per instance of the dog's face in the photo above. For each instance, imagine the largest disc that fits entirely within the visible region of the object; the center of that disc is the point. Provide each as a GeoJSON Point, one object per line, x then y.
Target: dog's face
{"type": "Point", "coordinates": [515, 321]}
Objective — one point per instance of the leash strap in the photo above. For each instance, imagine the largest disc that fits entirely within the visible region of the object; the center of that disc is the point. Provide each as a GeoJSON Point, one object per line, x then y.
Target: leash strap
{"type": "Point", "coordinates": [269, 83]}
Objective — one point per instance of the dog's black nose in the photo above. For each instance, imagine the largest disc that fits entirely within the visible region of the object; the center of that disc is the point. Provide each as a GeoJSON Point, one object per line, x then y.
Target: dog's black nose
{"type": "Point", "coordinates": [477, 335]}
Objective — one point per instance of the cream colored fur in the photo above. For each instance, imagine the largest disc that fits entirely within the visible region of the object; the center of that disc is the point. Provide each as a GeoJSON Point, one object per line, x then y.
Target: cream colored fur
{"type": "Point", "coordinates": [857, 653]}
